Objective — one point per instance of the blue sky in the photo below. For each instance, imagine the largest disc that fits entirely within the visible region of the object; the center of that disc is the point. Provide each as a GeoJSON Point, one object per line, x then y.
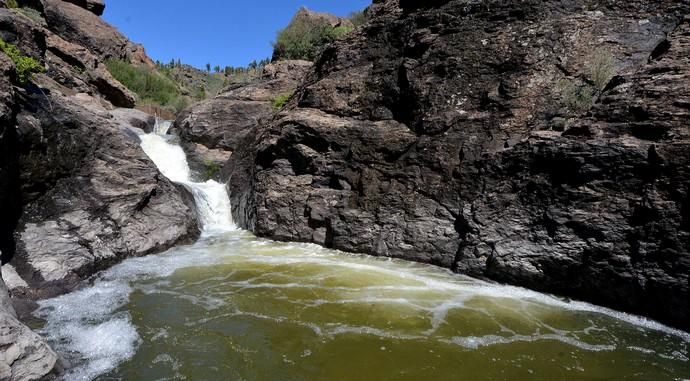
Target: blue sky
{"type": "Point", "coordinates": [219, 32]}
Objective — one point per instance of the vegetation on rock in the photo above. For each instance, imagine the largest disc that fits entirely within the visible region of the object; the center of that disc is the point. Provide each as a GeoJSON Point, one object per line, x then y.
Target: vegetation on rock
{"type": "Point", "coordinates": [25, 66]}
{"type": "Point", "coordinates": [602, 69]}
{"type": "Point", "coordinates": [279, 101]}
{"type": "Point", "coordinates": [211, 170]}
{"type": "Point", "coordinates": [304, 38]}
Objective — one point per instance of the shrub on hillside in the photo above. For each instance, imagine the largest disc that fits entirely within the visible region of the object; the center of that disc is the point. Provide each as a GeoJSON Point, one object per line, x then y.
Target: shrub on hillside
{"type": "Point", "coordinates": [151, 86]}
{"type": "Point", "coordinates": [25, 66]}
{"type": "Point", "coordinates": [305, 37]}
{"type": "Point", "coordinates": [359, 18]}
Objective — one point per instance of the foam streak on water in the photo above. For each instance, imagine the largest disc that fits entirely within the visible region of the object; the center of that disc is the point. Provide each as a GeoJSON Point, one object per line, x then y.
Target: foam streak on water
{"type": "Point", "coordinates": [232, 306]}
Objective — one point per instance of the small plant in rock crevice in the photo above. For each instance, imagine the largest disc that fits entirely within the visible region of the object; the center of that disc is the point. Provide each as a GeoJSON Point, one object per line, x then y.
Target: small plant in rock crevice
{"type": "Point", "coordinates": [12, 4]}
{"type": "Point", "coordinates": [577, 98]}
{"type": "Point", "coordinates": [211, 170]}
{"type": "Point", "coordinates": [25, 66]}
{"type": "Point", "coordinates": [602, 68]}
{"type": "Point", "coordinates": [281, 100]}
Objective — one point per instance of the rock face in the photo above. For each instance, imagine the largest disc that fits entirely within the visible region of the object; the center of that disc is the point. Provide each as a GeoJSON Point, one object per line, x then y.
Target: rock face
{"type": "Point", "coordinates": [538, 143]}
{"type": "Point", "coordinates": [211, 130]}
{"type": "Point", "coordinates": [76, 24]}
{"type": "Point", "coordinates": [77, 193]}
{"type": "Point", "coordinates": [124, 205]}
{"type": "Point", "coordinates": [333, 20]}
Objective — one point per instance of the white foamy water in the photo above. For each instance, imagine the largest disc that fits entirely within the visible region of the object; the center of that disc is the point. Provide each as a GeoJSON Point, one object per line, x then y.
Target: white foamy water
{"type": "Point", "coordinates": [229, 275]}
{"type": "Point", "coordinates": [211, 197]}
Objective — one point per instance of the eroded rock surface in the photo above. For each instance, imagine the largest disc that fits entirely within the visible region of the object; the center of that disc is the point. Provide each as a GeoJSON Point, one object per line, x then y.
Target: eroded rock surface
{"type": "Point", "coordinates": [538, 143]}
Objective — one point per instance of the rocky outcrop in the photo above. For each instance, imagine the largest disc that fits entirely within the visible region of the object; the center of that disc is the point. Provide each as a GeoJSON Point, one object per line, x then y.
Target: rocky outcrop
{"type": "Point", "coordinates": [68, 58]}
{"type": "Point", "coordinates": [211, 130]}
{"type": "Point", "coordinates": [95, 6]}
{"type": "Point", "coordinates": [307, 33]}
{"type": "Point", "coordinates": [320, 17]}
{"type": "Point", "coordinates": [537, 143]}
{"type": "Point", "coordinates": [76, 24]}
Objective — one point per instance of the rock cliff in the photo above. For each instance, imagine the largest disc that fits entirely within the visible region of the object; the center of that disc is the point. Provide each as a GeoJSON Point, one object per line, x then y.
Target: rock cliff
{"type": "Point", "coordinates": [538, 143]}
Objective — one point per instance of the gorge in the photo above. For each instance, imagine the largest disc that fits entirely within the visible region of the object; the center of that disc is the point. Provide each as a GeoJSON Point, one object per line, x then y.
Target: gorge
{"type": "Point", "coordinates": [421, 200]}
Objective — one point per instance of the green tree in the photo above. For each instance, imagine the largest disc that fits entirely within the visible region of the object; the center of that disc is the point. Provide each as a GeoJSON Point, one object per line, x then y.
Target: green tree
{"type": "Point", "coordinates": [208, 67]}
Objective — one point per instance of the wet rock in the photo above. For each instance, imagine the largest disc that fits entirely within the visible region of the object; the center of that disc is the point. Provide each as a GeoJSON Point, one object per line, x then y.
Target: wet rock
{"type": "Point", "coordinates": [429, 135]}
{"type": "Point", "coordinates": [24, 356]}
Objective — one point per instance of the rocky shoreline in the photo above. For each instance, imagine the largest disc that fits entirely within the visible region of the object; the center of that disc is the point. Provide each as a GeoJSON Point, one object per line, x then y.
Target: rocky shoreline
{"type": "Point", "coordinates": [77, 193]}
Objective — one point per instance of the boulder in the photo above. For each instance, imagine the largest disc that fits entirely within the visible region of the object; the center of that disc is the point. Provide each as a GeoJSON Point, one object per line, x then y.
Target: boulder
{"type": "Point", "coordinates": [132, 118]}
{"type": "Point", "coordinates": [537, 143]}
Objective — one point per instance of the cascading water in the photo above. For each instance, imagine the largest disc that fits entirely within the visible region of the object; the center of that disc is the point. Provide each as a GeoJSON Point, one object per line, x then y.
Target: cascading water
{"type": "Point", "coordinates": [234, 307]}
{"type": "Point", "coordinates": [211, 198]}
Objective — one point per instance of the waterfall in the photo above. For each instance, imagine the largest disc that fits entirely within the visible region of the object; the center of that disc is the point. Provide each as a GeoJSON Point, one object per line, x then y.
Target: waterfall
{"type": "Point", "coordinates": [211, 197]}
{"type": "Point", "coordinates": [162, 126]}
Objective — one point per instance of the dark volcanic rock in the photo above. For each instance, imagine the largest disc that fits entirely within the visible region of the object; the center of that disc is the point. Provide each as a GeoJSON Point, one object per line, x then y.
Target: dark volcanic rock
{"type": "Point", "coordinates": [476, 136]}
{"type": "Point", "coordinates": [76, 24]}
{"type": "Point", "coordinates": [23, 354]}
{"type": "Point", "coordinates": [77, 193]}
{"type": "Point", "coordinates": [211, 130]}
